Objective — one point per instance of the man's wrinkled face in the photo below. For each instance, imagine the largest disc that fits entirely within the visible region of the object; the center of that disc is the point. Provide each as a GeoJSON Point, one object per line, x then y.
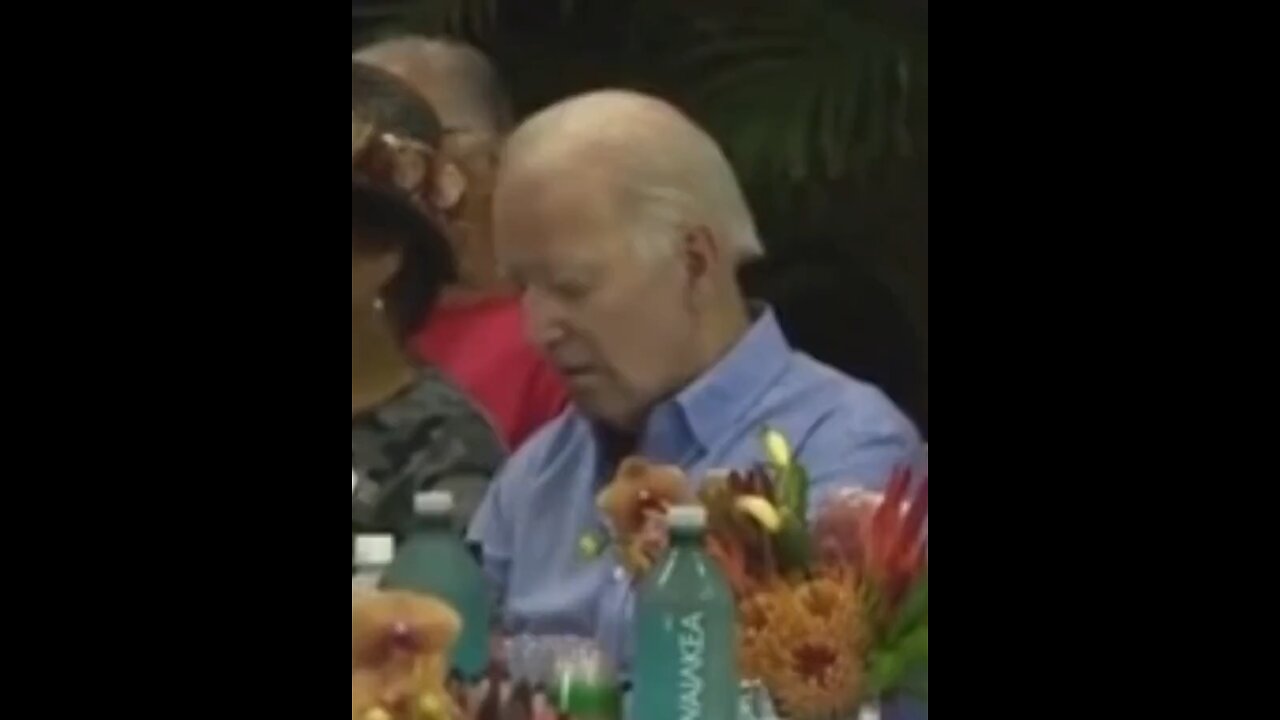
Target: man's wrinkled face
{"type": "Point", "coordinates": [619, 327]}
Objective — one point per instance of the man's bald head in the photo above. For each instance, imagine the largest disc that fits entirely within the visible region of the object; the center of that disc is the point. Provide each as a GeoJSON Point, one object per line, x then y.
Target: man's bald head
{"type": "Point", "coordinates": [670, 174]}
{"type": "Point", "coordinates": [458, 80]}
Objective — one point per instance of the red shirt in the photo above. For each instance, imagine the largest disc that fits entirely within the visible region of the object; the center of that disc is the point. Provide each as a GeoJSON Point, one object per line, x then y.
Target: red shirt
{"type": "Point", "coordinates": [481, 346]}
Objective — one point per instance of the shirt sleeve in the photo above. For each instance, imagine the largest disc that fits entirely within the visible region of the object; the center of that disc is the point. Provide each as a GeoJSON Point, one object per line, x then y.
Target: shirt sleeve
{"type": "Point", "coordinates": [860, 450]}
{"type": "Point", "coordinates": [492, 526]}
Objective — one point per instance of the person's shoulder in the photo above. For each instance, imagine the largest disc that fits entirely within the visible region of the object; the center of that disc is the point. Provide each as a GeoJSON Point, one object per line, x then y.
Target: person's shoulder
{"type": "Point", "coordinates": [847, 398]}
{"type": "Point", "coordinates": [846, 425]}
{"type": "Point", "coordinates": [434, 392]}
{"type": "Point", "coordinates": [439, 402]}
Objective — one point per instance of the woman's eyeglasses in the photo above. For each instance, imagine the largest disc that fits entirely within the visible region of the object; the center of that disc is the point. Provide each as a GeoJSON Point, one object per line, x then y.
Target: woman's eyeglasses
{"type": "Point", "coordinates": [383, 157]}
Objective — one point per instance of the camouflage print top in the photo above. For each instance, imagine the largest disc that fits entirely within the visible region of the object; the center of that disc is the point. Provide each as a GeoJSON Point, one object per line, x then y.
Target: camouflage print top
{"type": "Point", "coordinates": [429, 437]}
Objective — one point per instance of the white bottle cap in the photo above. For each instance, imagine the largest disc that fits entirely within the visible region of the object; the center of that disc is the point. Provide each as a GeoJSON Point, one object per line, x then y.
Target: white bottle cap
{"type": "Point", "coordinates": [374, 550]}
{"type": "Point", "coordinates": [687, 517]}
{"type": "Point", "coordinates": [434, 503]}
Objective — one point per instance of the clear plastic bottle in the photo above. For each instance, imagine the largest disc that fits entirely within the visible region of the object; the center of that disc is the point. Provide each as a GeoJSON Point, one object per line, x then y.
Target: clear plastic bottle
{"type": "Point", "coordinates": [686, 664]}
{"type": "Point", "coordinates": [433, 560]}
{"type": "Point", "coordinates": [373, 555]}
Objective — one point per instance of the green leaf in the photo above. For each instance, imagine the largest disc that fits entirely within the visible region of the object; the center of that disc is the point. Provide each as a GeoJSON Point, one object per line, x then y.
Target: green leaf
{"type": "Point", "coordinates": [736, 48]}
{"type": "Point", "coordinates": [799, 137]}
{"type": "Point", "coordinates": [884, 673]}
{"type": "Point", "coordinates": [800, 501]}
{"type": "Point", "coordinates": [914, 611]}
{"type": "Point", "coordinates": [888, 667]}
{"type": "Point", "coordinates": [914, 646]}
{"type": "Point", "coordinates": [829, 83]}
{"type": "Point", "coordinates": [792, 543]}
{"type": "Point", "coordinates": [915, 682]}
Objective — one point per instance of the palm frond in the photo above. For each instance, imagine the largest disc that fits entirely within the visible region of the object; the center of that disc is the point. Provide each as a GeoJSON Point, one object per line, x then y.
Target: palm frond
{"type": "Point", "coordinates": [833, 89]}
{"type": "Point", "coordinates": [470, 18]}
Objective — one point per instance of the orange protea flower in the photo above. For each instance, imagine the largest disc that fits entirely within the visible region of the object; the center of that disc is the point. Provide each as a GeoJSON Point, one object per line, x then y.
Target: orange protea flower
{"type": "Point", "coordinates": [806, 644]}
{"type": "Point", "coordinates": [640, 491]}
{"type": "Point", "coordinates": [400, 644]}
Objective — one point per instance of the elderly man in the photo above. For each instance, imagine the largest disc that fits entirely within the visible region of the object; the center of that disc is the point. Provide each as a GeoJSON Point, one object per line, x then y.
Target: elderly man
{"type": "Point", "coordinates": [623, 224]}
{"type": "Point", "coordinates": [476, 333]}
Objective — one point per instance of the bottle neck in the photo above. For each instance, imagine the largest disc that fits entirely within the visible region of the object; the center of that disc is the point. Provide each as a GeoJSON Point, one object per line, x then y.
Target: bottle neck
{"type": "Point", "coordinates": [366, 580]}
{"type": "Point", "coordinates": [687, 537]}
{"type": "Point", "coordinates": [434, 523]}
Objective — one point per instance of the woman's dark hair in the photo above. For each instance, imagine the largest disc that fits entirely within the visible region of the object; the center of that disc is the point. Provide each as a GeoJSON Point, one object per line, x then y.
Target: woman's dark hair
{"type": "Point", "coordinates": [383, 219]}
{"type": "Point", "coordinates": [382, 99]}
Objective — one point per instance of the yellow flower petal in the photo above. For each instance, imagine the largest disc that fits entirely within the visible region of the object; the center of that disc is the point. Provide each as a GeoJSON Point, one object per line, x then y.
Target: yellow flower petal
{"type": "Point", "coordinates": [777, 448]}
{"type": "Point", "coordinates": [762, 510]}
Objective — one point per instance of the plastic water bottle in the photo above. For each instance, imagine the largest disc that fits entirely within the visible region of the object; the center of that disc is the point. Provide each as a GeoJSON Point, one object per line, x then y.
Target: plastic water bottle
{"type": "Point", "coordinates": [373, 554]}
{"type": "Point", "coordinates": [686, 650]}
{"type": "Point", "coordinates": [434, 561]}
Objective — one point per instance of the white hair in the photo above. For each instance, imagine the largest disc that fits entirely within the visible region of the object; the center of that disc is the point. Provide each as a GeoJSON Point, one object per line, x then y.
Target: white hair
{"type": "Point", "coordinates": [671, 174]}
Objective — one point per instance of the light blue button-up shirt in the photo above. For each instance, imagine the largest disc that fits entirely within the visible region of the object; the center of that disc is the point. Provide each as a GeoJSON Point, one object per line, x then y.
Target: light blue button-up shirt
{"type": "Point", "coordinates": [543, 501]}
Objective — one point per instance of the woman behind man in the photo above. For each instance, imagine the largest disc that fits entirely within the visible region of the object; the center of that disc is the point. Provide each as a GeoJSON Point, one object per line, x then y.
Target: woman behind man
{"type": "Point", "coordinates": [411, 429]}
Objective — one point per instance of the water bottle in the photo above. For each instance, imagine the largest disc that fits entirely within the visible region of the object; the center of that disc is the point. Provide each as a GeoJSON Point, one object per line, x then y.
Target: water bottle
{"type": "Point", "coordinates": [372, 555]}
{"type": "Point", "coordinates": [686, 650]}
{"type": "Point", "coordinates": [434, 561]}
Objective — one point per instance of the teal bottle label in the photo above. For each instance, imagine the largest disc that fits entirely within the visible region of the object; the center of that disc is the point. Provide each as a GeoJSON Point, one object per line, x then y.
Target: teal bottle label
{"type": "Point", "coordinates": [685, 666]}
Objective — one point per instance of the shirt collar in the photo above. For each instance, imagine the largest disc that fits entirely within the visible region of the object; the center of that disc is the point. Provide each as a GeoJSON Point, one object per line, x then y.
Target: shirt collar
{"type": "Point", "coordinates": [718, 398]}
{"type": "Point", "coordinates": [724, 394]}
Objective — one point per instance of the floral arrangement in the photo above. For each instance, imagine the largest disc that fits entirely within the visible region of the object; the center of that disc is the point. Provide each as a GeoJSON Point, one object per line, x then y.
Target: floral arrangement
{"type": "Point", "coordinates": [400, 646]}
{"type": "Point", "coordinates": [830, 615]}
{"type": "Point", "coordinates": [634, 502]}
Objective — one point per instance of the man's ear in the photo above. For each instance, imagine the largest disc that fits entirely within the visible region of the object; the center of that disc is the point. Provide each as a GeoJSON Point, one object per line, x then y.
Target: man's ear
{"type": "Point", "coordinates": [700, 254]}
{"type": "Point", "coordinates": [450, 185]}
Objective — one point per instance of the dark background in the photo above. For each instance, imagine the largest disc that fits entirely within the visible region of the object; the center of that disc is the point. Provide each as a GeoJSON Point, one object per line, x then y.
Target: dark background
{"type": "Point", "coordinates": [822, 105]}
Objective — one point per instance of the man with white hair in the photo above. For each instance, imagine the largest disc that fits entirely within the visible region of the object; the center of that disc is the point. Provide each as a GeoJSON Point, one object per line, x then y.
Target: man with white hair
{"type": "Point", "coordinates": [623, 225]}
{"type": "Point", "coordinates": [476, 333]}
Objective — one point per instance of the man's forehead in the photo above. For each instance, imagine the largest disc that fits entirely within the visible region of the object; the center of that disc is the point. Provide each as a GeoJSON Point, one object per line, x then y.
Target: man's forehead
{"type": "Point", "coordinates": [570, 181]}
{"type": "Point", "coordinates": [568, 224]}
